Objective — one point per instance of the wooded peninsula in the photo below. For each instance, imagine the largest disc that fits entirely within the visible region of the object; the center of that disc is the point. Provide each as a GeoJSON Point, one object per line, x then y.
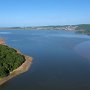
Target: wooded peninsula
{"type": "Point", "coordinates": [12, 62]}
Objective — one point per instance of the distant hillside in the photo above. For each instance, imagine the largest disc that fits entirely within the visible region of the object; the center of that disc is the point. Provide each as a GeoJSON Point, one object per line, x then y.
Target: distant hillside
{"type": "Point", "coordinates": [81, 28]}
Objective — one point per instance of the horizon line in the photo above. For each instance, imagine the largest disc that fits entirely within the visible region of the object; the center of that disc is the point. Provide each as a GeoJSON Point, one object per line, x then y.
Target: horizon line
{"type": "Point", "coordinates": [38, 25]}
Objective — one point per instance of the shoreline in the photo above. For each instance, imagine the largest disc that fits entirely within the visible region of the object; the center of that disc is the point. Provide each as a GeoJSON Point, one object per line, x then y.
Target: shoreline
{"type": "Point", "coordinates": [21, 69]}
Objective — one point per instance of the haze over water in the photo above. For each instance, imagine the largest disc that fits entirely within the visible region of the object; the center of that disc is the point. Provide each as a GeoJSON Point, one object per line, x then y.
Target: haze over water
{"type": "Point", "coordinates": [61, 60]}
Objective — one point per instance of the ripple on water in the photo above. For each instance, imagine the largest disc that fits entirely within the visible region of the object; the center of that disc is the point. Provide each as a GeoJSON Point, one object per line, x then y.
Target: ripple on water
{"type": "Point", "coordinates": [83, 49]}
{"type": "Point", "coordinates": [5, 32]}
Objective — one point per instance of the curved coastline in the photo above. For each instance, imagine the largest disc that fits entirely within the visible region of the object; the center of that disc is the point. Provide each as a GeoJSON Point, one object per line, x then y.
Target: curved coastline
{"type": "Point", "coordinates": [21, 69]}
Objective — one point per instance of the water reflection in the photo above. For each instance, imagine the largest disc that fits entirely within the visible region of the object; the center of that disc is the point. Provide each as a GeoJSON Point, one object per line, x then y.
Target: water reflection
{"type": "Point", "coordinates": [83, 49]}
{"type": "Point", "coordinates": [56, 62]}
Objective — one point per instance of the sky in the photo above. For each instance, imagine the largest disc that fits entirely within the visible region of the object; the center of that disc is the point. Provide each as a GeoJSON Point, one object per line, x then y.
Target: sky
{"type": "Point", "coordinates": [44, 12]}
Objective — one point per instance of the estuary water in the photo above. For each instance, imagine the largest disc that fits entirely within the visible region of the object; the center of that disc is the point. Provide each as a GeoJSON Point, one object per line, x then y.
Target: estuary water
{"type": "Point", "coordinates": [61, 59]}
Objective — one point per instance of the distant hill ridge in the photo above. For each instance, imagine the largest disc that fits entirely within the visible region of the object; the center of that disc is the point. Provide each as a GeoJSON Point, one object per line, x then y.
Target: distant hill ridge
{"type": "Point", "coordinates": [81, 28]}
{"type": "Point", "coordinates": [58, 27]}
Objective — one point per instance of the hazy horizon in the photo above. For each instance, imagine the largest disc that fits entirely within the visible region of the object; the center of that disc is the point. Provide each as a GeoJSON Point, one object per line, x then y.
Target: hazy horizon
{"type": "Point", "coordinates": [41, 25]}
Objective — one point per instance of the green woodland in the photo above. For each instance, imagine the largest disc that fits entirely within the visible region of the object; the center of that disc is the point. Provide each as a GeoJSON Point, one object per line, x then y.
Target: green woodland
{"type": "Point", "coordinates": [9, 60]}
{"type": "Point", "coordinates": [83, 28]}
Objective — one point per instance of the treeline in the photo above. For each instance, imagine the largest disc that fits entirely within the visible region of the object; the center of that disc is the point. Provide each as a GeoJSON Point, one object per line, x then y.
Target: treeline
{"type": "Point", "coordinates": [83, 28]}
{"type": "Point", "coordinates": [9, 60]}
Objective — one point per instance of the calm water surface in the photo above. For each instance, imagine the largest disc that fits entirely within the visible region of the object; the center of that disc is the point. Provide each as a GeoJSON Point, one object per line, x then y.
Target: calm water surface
{"type": "Point", "coordinates": [61, 60]}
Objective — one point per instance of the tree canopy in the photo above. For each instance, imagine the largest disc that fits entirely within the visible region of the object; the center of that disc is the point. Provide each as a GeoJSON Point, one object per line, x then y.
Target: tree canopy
{"type": "Point", "coordinates": [9, 60]}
